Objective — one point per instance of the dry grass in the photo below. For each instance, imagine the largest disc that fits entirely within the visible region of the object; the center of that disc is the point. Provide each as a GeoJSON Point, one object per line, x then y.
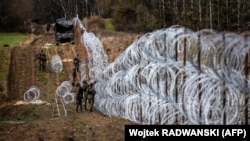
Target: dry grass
{"type": "Point", "coordinates": [115, 43]}
{"type": "Point", "coordinates": [38, 124]}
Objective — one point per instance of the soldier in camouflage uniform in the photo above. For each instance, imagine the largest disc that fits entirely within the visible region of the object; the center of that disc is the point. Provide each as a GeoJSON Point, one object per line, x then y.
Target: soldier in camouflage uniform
{"type": "Point", "coordinates": [90, 96]}
{"type": "Point", "coordinates": [74, 75]}
{"type": "Point", "coordinates": [81, 90]}
{"type": "Point", "coordinates": [42, 60]}
{"type": "Point", "coordinates": [76, 62]}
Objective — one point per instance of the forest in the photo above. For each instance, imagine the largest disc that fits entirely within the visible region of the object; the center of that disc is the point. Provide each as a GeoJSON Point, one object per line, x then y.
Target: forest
{"type": "Point", "coordinates": [137, 16]}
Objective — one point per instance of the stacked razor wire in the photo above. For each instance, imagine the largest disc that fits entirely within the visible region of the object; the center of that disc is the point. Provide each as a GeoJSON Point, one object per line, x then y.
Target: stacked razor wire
{"type": "Point", "coordinates": [64, 91]}
{"type": "Point", "coordinates": [174, 76]}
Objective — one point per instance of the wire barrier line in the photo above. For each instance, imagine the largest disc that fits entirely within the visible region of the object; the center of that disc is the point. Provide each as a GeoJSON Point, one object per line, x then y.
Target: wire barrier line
{"type": "Point", "coordinates": [63, 88]}
{"type": "Point", "coordinates": [69, 98]}
{"type": "Point", "coordinates": [56, 63]}
{"type": "Point", "coordinates": [173, 76]}
{"type": "Point", "coordinates": [64, 91]}
{"type": "Point", "coordinates": [97, 58]}
{"type": "Point", "coordinates": [32, 94]}
{"type": "Point", "coordinates": [83, 72]}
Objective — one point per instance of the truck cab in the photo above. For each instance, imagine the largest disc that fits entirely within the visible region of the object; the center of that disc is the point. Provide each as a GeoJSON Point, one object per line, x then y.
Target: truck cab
{"type": "Point", "coordinates": [64, 31]}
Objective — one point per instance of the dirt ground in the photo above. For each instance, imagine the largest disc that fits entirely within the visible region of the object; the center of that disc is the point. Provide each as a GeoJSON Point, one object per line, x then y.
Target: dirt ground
{"type": "Point", "coordinates": [34, 122]}
{"type": "Point", "coordinates": [83, 126]}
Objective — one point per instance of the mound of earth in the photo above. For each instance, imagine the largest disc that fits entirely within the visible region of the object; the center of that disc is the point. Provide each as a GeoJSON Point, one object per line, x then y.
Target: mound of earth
{"type": "Point", "coordinates": [31, 122]}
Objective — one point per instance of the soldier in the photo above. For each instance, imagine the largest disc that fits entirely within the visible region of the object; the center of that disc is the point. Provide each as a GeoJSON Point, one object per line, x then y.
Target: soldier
{"type": "Point", "coordinates": [90, 96]}
{"type": "Point", "coordinates": [81, 90]}
{"type": "Point", "coordinates": [42, 60]}
{"type": "Point", "coordinates": [74, 76]}
{"type": "Point", "coordinates": [76, 62]}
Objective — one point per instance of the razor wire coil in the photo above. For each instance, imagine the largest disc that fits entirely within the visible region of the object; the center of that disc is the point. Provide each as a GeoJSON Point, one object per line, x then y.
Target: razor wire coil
{"type": "Point", "coordinates": [64, 88]}
{"type": "Point", "coordinates": [56, 63]}
{"type": "Point", "coordinates": [171, 75]}
{"type": "Point", "coordinates": [32, 94]}
{"type": "Point", "coordinates": [69, 98]}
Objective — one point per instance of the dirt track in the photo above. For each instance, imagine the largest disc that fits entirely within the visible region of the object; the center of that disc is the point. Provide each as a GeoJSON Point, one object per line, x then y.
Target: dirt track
{"type": "Point", "coordinates": [34, 122]}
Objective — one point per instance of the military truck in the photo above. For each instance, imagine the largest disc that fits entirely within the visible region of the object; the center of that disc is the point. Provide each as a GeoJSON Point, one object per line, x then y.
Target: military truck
{"type": "Point", "coordinates": [64, 31]}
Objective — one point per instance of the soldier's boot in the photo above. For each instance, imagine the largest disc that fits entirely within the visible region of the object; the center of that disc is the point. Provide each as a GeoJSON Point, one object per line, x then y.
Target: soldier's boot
{"type": "Point", "coordinates": [81, 108]}
{"type": "Point", "coordinates": [91, 109]}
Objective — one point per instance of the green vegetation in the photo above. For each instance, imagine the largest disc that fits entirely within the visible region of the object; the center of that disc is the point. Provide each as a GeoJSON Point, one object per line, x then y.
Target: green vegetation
{"type": "Point", "coordinates": [24, 113]}
{"type": "Point", "coordinates": [12, 39]}
{"type": "Point", "coordinates": [4, 64]}
{"type": "Point", "coordinates": [79, 125]}
{"type": "Point", "coordinates": [108, 25]}
{"type": "Point", "coordinates": [43, 77]}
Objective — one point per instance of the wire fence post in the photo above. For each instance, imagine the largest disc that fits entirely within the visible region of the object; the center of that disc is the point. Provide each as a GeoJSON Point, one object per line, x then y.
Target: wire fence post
{"type": "Point", "coordinates": [224, 120]}
{"type": "Point", "coordinates": [176, 91]}
{"type": "Point", "coordinates": [199, 72]}
{"type": "Point", "coordinates": [184, 64]}
{"type": "Point", "coordinates": [246, 91]}
{"type": "Point", "coordinates": [246, 84]}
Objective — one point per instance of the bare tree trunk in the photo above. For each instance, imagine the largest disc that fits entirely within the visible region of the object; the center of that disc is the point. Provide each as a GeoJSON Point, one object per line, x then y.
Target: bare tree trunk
{"type": "Point", "coordinates": [210, 14]}
{"type": "Point", "coordinates": [41, 9]}
{"type": "Point", "coordinates": [184, 11]}
{"type": "Point", "coordinates": [218, 15]}
{"type": "Point", "coordinates": [63, 8]}
{"type": "Point", "coordinates": [227, 16]}
{"type": "Point", "coordinates": [176, 12]}
{"type": "Point", "coordinates": [163, 13]}
{"type": "Point", "coordinates": [238, 15]}
{"type": "Point", "coordinates": [192, 14]}
{"type": "Point", "coordinates": [200, 11]}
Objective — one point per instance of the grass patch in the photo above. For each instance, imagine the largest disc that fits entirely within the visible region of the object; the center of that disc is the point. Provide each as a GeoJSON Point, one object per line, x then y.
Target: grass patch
{"type": "Point", "coordinates": [79, 125]}
{"type": "Point", "coordinates": [43, 77]}
{"type": "Point", "coordinates": [25, 113]}
{"type": "Point", "coordinates": [12, 39]}
{"type": "Point", "coordinates": [4, 69]}
{"type": "Point", "coordinates": [108, 25]}
{"type": "Point", "coordinates": [4, 63]}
